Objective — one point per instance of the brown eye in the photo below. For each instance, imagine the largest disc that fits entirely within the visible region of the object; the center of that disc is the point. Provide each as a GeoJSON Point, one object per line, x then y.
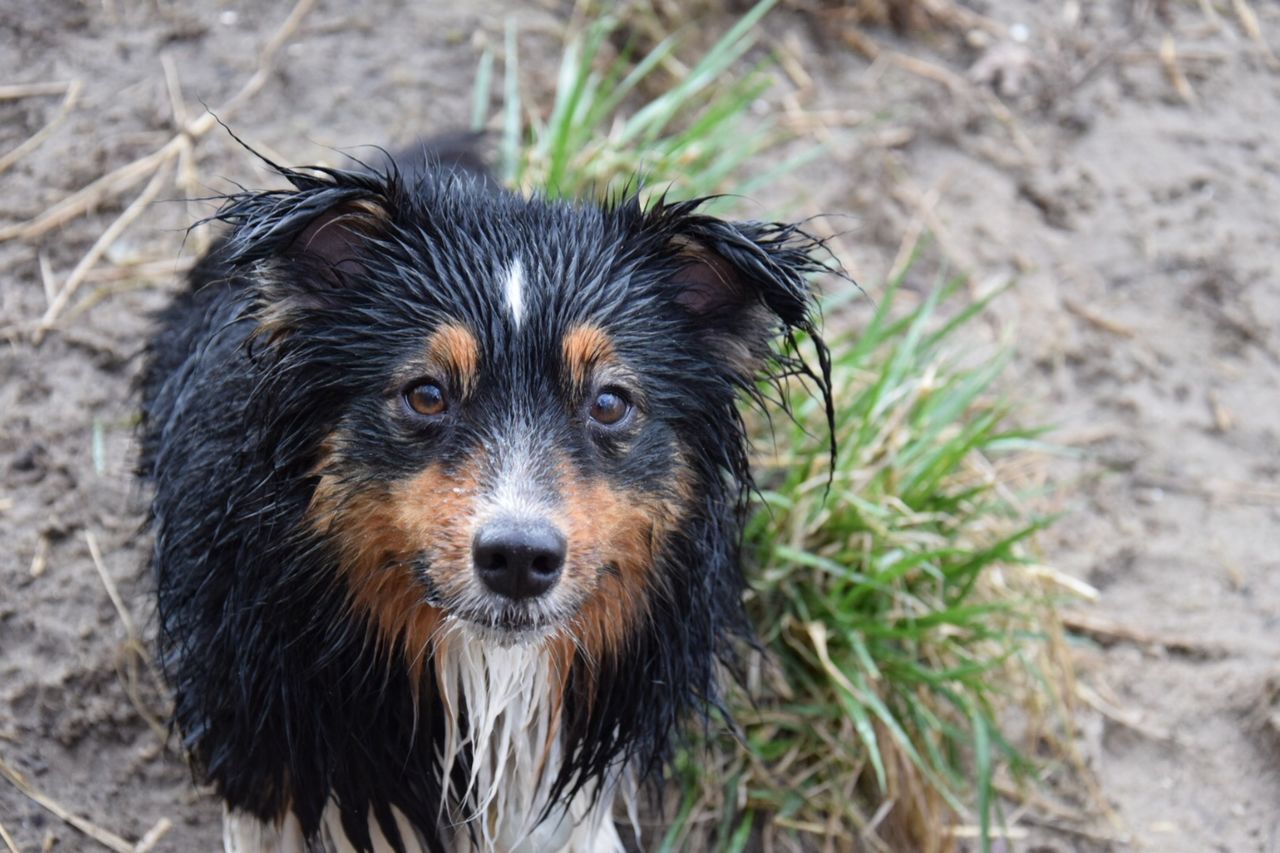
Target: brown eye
{"type": "Point", "coordinates": [610, 408]}
{"type": "Point", "coordinates": [426, 398]}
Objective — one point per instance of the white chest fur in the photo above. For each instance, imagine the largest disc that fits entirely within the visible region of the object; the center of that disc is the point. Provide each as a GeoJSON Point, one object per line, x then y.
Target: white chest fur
{"type": "Point", "coordinates": [501, 707]}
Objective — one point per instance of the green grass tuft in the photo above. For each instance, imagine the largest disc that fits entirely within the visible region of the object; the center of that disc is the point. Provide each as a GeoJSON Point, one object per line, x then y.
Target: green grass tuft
{"type": "Point", "coordinates": [899, 627]}
{"type": "Point", "coordinates": [692, 140]}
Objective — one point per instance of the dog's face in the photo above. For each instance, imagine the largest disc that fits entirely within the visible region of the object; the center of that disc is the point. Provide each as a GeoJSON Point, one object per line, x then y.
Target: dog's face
{"type": "Point", "coordinates": [516, 459]}
{"type": "Point", "coordinates": [528, 408]}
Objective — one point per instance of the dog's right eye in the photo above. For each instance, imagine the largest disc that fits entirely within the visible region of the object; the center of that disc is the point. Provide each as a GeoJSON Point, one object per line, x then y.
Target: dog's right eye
{"type": "Point", "coordinates": [426, 398]}
{"type": "Point", "coordinates": [610, 407]}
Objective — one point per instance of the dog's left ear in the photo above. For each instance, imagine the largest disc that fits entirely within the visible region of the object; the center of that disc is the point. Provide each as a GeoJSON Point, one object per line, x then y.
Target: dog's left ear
{"type": "Point", "coordinates": [317, 222]}
{"type": "Point", "coordinates": [299, 248]}
{"type": "Point", "coordinates": [747, 284]}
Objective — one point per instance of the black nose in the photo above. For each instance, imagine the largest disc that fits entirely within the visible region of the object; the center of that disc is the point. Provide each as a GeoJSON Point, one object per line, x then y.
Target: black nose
{"type": "Point", "coordinates": [518, 559]}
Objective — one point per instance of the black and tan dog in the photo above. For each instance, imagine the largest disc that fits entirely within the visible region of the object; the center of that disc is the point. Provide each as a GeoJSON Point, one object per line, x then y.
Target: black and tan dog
{"type": "Point", "coordinates": [448, 496]}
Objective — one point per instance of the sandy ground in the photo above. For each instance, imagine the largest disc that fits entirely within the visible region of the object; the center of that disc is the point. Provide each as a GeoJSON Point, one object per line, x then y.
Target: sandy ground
{"type": "Point", "coordinates": [1137, 212]}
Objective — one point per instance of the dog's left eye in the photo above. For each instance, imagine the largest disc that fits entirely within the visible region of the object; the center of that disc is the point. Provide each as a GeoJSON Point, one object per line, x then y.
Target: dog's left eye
{"type": "Point", "coordinates": [610, 407]}
{"type": "Point", "coordinates": [426, 398]}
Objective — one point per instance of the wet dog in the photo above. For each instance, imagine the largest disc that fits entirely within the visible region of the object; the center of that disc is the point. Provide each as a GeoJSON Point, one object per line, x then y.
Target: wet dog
{"type": "Point", "coordinates": [448, 497]}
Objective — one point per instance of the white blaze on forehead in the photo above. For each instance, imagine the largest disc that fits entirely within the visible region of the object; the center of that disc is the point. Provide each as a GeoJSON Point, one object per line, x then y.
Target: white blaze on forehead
{"type": "Point", "coordinates": [515, 291]}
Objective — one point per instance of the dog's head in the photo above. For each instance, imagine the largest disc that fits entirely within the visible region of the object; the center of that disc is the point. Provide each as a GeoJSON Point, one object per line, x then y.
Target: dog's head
{"type": "Point", "coordinates": [518, 415]}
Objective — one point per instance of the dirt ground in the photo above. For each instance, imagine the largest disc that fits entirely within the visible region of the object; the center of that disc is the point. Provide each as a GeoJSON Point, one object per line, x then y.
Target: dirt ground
{"type": "Point", "coordinates": [1118, 161]}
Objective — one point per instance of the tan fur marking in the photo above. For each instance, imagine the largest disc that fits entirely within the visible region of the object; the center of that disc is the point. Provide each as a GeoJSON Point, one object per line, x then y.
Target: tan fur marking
{"type": "Point", "coordinates": [367, 212]}
{"type": "Point", "coordinates": [277, 312]}
{"type": "Point", "coordinates": [455, 351]}
{"type": "Point", "coordinates": [585, 348]}
{"type": "Point", "coordinates": [381, 533]}
{"type": "Point", "coordinates": [625, 530]}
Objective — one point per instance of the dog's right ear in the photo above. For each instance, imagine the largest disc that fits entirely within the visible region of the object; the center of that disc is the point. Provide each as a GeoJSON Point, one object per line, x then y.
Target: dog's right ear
{"type": "Point", "coordinates": [298, 248]}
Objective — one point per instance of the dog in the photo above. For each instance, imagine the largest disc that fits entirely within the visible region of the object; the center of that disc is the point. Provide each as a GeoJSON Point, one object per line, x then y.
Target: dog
{"type": "Point", "coordinates": [448, 494]}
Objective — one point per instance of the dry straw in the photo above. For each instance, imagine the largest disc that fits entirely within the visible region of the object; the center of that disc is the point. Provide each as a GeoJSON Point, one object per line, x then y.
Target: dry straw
{"type": "Point", "coordinates": [153, 167]}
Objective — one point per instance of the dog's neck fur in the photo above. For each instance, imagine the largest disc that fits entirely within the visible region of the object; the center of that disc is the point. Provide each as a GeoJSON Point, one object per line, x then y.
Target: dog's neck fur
{"type": "Point", "coordinates": [501, 711]}
{"type": "Point", "coordinates": [501, 753]}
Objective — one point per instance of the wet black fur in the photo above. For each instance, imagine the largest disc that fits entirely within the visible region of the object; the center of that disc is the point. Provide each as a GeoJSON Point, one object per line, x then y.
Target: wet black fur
{"type": "Point", "coordinates": [281, 697]}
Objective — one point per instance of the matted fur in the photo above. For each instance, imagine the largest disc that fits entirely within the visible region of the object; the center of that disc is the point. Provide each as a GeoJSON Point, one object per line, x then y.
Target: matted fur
{"type": "Point", "coordinates": [502, 736]}
{"type": "Point", "coordinates": [340, 676]}
{"type": "Point", "coordinates": [502, 704]}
